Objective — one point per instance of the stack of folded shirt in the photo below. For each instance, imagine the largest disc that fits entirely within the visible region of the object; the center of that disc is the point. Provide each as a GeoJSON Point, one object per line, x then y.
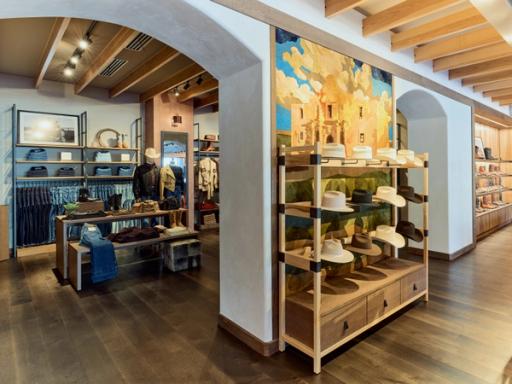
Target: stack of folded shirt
{"type": "Point", "coordinates": [102, 171]}
{"type": "Point", "coordinates": [103, 157]}
{"type": "Point", "coordinates": [37, 172]}
{"type": "Point", "coordinates": [65, 171]}
{"type": "Point", "coordinates": [129, 235]}
{"type": "Point", "coordinates": [37, 154]}
{"type": "Point", "coordinates": [124, 171]}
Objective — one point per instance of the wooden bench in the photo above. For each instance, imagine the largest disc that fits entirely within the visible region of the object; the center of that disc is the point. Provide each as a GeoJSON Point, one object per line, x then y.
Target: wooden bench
{"type": "Point", "coordinates": [76, 252]}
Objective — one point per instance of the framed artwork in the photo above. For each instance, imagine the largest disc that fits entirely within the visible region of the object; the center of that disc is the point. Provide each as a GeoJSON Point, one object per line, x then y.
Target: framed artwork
{"type": "Point", "coordinates": [42, 128]}
{"type": "Point", "coordinates": [479, 148]}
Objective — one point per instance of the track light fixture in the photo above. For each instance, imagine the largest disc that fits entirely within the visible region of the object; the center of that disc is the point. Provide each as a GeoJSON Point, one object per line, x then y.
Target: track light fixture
{"type": "Point", "coordinates": [85, 42]}
{"type": "Point", "coordinates": [176, 92]}
{"type": "Point", "coordinates": [69, 70]}
{"type": "Point", "coordinates": [187, 86]}
{"type": "Point", "coordinates": [76, 56]}
{"type": "Point", "coordinates": [199, 80]}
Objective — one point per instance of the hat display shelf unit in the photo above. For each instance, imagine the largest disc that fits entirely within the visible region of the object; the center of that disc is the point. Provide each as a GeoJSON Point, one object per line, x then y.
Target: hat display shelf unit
{"type": "Point", "coordinates": [332, 311]}
{"type": "Point", "coordinates": [199, 154]}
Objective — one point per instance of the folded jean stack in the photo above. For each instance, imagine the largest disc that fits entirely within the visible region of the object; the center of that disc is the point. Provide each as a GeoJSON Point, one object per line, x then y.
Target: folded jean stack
{"type": "Point", "coordinates": [103, 157]}
{"type": "Point", "coordinates": [102, 171]}
{"type": "Point", "coordinates": [124, 171]}
{"type": "Point", "coordinates": [37, 172]}
{"type": "Point", "coordinates": [66, 172]}
{"type": "Point", "coordinates": [37, 154]}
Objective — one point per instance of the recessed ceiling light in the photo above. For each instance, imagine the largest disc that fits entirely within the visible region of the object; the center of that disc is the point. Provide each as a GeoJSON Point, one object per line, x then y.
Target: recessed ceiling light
{"type": "Point", "coordinates": [176, 92]}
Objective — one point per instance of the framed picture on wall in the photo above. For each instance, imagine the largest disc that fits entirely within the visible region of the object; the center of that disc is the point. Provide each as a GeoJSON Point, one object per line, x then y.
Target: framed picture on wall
{"type": "Point", "coordinates": [479, 148]}
{"type": "Point", "coordinates": [42, 128]}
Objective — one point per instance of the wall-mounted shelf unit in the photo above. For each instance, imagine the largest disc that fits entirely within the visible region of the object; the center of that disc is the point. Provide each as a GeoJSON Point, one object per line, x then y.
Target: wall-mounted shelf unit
{"type": "Point", "coordinates": [330, 312]}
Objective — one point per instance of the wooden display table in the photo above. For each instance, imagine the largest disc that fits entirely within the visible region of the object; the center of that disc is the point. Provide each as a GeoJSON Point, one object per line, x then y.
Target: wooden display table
{"type": "Point", "coordinates": [77, 251]}
{"type": "Point", "coordinates": [62, 224]}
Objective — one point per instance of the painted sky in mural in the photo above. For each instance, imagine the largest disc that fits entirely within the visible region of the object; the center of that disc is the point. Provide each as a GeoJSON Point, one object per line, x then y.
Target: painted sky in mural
{"type": "Point", "coordinates": [325, 96]}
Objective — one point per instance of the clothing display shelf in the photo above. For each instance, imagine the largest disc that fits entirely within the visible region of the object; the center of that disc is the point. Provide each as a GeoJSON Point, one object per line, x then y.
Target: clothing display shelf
{"type": "Point", "coordinates": [198, 156]}
{"type": "Point", "coordinates": [317, 322]}
{"type": "Point", "coordinates": [81, 151]}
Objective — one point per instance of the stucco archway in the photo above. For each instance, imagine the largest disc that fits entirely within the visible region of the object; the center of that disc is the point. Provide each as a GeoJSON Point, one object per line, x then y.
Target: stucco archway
{"type": "Point", "coordinates": [207, 33]}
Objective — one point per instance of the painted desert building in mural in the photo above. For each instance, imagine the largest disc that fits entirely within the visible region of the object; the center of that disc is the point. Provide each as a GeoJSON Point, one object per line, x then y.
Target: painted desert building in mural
{"type": "Point", "coordinates": [328, 97]}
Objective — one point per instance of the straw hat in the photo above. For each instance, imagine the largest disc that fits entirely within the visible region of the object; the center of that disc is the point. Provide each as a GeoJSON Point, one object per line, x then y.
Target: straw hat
{"type": "Point", "coordinates": [151, 153]}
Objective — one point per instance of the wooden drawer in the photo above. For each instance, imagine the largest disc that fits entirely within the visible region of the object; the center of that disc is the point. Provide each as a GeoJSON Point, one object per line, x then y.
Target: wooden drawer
{"type": "Point", "coordinates": [343, 322]}
{"type": "Point", "coordinates": [383, 301]}
{"type": "Point", "coordinates": [413, 284]}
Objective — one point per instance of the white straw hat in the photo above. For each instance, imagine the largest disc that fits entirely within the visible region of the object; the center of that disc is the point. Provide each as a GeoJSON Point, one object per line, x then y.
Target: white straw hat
{"type": "Point", "coordinates": [335, 201]}
{"type": "Point", "coordinates": [151, 153]}
{"type": "Point", "coordinates": [410, 159]}
{"type": "Point", "coordinates": [389, 154]}
{"type": "Point", "coordinates": [389, 195]}
{"type": "Point", "coordinates": [388, 234]}
{"type": "Point", "coordinates": [333, 251]}
{"type": "Point", "coordinates": [334, 150]}
{"type": "Point", "coordinates": [362, 152]}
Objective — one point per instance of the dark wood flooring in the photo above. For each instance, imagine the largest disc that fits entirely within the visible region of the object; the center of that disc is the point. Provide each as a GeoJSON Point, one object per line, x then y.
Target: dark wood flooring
{"type": "Point", "coordinates": [153, 326]}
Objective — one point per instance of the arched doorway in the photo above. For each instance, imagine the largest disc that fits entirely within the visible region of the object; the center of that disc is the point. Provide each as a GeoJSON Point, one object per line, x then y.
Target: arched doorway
{"type": "Point", "coordinates": [211, 40]}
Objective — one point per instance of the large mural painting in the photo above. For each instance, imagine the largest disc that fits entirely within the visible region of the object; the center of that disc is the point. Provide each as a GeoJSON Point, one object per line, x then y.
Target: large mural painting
{"type": "Point", "coordinates": [322, 95]}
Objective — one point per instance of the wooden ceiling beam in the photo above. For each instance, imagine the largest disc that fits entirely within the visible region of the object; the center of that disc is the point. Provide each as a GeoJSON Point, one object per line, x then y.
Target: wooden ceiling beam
{"type": "Point", "coordinates": [403, 13]}
{"type": "Point", "coordinates": [482, 68]}
{"type": "Point", "coordinates": [506, 101]}
{"type": "Point", "coordinates": [463, 42]}
{"type": "Point", "coordinates": [474, 56]}
{"type": "Point", "coordinates": [456, 22]}
{"type": "Point", "coordinates": [205, 87]}
{"type": "Point", "coordinates": [498, 92]}
{"type": "Point", "coordinates": [56, 33]}
{"type": "Point", "coordinates": [492, 115]}
{"type": "Point", "coordinates": [503, 97]}
{"type": "Point", "coordinates": [489, 78]}
{"type": "Point", "coordinates": [212, 99]}
{"type": "Point", "coordinates": [335, 7]}
{"type": "Point", "coordinates": [489, 123]}
{"type": "Point", "coordinates": [157, 61]}
{"type": "Point", "coordinates": [188, 73]}
{"type": "Point", "coordinates": [122, 38]}
{"type": "Point", "coordinates": [495, 85]}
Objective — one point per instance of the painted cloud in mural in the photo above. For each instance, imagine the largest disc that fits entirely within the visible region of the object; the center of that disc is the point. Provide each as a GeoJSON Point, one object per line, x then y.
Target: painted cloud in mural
{"type": "Point", "coordinates": [325, 96]}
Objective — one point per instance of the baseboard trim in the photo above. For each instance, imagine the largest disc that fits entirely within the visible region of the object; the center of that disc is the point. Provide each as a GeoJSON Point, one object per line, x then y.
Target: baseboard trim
{"type": "Point", "coordinates": [263, 348]}
{"type": "Point", "coordinates": [441, 255]}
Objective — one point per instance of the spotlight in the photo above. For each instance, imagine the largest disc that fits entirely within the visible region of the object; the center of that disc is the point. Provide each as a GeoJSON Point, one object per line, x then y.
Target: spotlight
{"type": "Point", "coordinates": [187, 86]}
{"type": "Point", "coordinates": [84, 42]}
{"type": "Point", "coordinates": [199, 80]}
{"type": "Point", "coordinates": [176, 92]}
{"type": "Point", "coordinates": [75, 58]}
{"type": "Point", "coordinates": [69, 70]}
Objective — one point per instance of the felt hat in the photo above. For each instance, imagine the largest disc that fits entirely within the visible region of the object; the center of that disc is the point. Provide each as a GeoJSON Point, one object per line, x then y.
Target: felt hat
{"type": "Point", "coordinates": [389, 154]}
{"type": "Point", "coordinates": [388, 235]}
{"type": "Point", "coordinates": [151, 153]}
{"type": "Point", "coordinates": [410, 159]}
{"type": "Point", "coordinates": [332, 250]}
{"type": "Point", "coordinates": [407, 229]}
{"type": "Point", "coordinates": [335, 201]}
{"type": "Point", "coordinates": [362, 152]}
{"type": "Point", "coordinates": [389, 195]}
{"type": "Point", "coordinates": [362, 243]}
{"type": "Point", "coordinates": [333, 150]}
{"type": "Point", "coordinates": [362, 197]}
{"type": "Point", "coordinates": [407, 192]}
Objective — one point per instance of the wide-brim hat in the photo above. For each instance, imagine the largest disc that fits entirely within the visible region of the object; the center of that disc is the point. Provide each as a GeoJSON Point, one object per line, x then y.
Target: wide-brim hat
{"type": "Point", "coordinates": [335, 201]}
{"type": "Point", "coordinates": [333, 251]}
{"type": "Point", "coordinates": [410, 159]}
{"type": "Point", "coordinates": [407, 192]}
{"type": "Point", "coordinates": [151, 153]}
{"type": "Point", "coordinates": [389, 195]}
{"type": "Point", "coordinates": [334, 150]}
{"type": "Point", "coordinates": [362, 244]}
{"type": "Point", "coordinates": [362, 152]}
{"type": "Point", "coordinates": [388, 235]}
{"type": "Point", "coordinates": [407, 229]}
{"type": "Point", "coordinates": [362, 197]}
{"type": "Point", "coordinates": [389, 154]}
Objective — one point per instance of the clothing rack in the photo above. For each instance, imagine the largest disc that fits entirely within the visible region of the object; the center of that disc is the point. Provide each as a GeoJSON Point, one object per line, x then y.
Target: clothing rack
{"type": "Point", "coordinates": [136, 140]}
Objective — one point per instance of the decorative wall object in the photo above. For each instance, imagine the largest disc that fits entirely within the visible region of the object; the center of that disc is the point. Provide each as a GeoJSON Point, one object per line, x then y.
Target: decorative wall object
{"type": "Point", "coordinates": [322, 95]}
{"type": "Point", "coordinates": [41, 128]}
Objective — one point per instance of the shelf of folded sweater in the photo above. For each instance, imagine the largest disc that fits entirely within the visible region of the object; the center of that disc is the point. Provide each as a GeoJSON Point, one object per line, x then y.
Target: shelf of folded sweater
{"type": "Point", "coordinates": [42, 178]}
{"type": "Point", "coordinates": [112, 162]}
{"type": "Point", "coordinates": [50, 161]}
{"type": "Point", "coordinates": [70, 147]}
{"type": "Point", "coordinates": [485, 211]}
{"type": "Point", "coordinates": [113, 177]}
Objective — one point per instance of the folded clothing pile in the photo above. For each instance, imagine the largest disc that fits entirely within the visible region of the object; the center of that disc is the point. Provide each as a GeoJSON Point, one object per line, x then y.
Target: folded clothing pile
{"type": "Point", "coordinates": [37, 172]}
{"type": "Point", "coordinates": [66, 171]}
{"type": "Point", "coordinates": [124, 171]}
{"type": "Point", "coordinates": [37, 154]}
{"type": "Point", "coordinates": [103, 157]}
{"type": "Point", "coordinates": [102, 171]}
{"type": "Point", "coordinates": [129, 235]}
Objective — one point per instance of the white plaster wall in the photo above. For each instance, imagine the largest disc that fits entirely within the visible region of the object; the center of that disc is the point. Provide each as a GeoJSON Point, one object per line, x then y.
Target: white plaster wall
{"type": "Point", "coordinates": [208, 122]}
{"type": "Point", "coordinates": [347, 26]}
{"type": "Point", "coordinates": [449, 143]}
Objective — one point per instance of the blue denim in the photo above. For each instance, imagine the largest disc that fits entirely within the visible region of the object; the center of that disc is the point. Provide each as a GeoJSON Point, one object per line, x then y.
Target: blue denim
{"type": "Point", "coordinates": [37, 154]}
{"type": "Point", "coordinates": [102, 171]}
{"type": "Point", "coordinates": [103, 258]}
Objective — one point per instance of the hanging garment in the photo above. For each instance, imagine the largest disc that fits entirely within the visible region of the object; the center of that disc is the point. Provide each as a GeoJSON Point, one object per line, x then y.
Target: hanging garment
{"type": "Point", "coordinates": [103, 258]}
{"type": "Point", "coordinates": [207, 178]}
{"type": "Point", "coordinates": [167, 181]}
{"type": "Point", "coordinates": [146, 182]}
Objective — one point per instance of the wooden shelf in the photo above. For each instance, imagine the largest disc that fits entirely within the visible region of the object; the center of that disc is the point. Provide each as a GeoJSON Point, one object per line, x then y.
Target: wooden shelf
{"type": "Point", "coordinates": [207, 152]}
{"type": "Point", "coordinates": [487, 211]}
{"type": "Point", "coordinates": [50, 178]}
{"type": "Point", "coordinates": [111, 149]}
{"type": "Point", "coordinates": [112, 162]}
{"type": "Point", "coordinates": [491, 176]}
{"type": "Point", "coordinates": [492, 161]}
{"type": "Point", "coordinates": [478, 194]}
{"type": "Point", "coordinates": [49, 161]}
{"type": "Point", "coordinates": [109, 177]}
{"type": "Point", "coordinates": [206, 141]}
{"type": "Point", "coordinates": [303, 160]}
{"type": "Point", "coordinates": [50, 146]}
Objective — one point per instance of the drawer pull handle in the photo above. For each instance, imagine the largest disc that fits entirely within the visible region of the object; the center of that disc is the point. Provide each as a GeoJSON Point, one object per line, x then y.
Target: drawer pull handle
{"type": "Point", "coordinates": [385, 303]}
{"type": "Point", "coordinates": [414, 287]}
{"type": "Point", "coordinates": [345, 325]}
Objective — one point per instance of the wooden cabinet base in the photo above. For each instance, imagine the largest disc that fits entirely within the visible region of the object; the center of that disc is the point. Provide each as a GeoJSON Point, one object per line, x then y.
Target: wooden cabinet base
{"type": "Point", "coordinates": [493, 221]}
